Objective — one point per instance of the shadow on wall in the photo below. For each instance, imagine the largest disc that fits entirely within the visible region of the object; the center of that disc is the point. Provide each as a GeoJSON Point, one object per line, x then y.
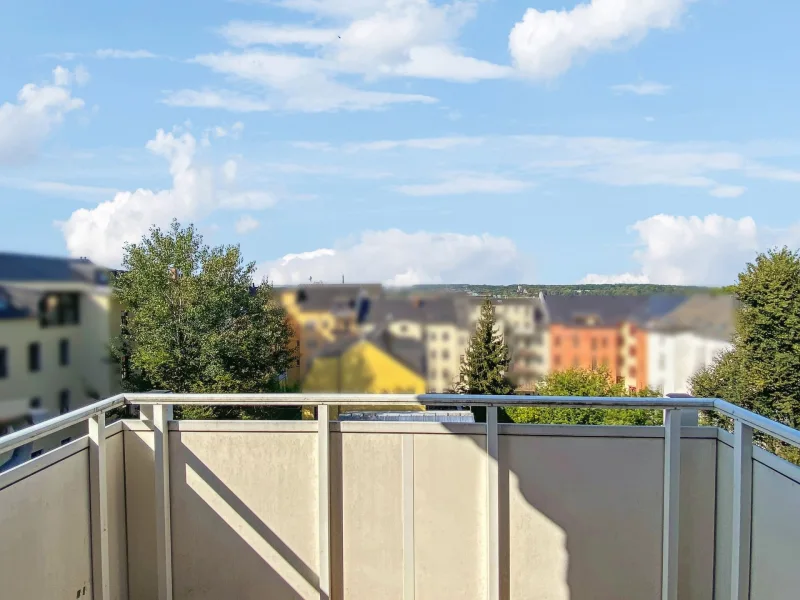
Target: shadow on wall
{"type": "Point", "coordinates": [580, 515]}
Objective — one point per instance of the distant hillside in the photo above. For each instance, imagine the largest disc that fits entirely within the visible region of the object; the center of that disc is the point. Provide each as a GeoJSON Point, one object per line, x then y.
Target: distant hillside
{"type": "Point", "coordinates": [615, 289]}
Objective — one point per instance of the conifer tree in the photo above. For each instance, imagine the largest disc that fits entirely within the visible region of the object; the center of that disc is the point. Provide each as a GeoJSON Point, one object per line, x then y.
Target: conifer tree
{"type": "Point", "coordinates": [484, 366]}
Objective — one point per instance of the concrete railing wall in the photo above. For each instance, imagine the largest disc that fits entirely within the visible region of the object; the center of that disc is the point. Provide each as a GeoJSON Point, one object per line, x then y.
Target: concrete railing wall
{"type": "Point", "coordinates": [580, 514]}
{"type": "Point", "coordinates": [45, 524]}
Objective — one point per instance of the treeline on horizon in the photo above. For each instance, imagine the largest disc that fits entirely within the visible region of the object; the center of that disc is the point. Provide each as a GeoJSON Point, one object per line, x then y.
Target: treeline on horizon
{"type": "Point", "coordinates": [603, 289]}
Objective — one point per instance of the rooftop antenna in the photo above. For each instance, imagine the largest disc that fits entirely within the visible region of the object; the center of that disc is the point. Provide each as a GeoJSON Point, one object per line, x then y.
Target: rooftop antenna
{"type": "Point", "coordinates": [342, 278]}
{"type": "Point", "coordinates": [309, 279]}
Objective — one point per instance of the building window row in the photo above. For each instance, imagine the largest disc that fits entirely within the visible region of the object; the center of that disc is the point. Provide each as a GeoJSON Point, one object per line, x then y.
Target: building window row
{"type": "Point", "coordinates": [35, 357]}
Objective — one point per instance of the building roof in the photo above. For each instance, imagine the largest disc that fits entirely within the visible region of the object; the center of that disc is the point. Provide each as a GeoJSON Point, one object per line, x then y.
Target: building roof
{"type": "Point", "coordinates": [324, 297]}
{"type": "Point", "coordinates": [609, 311]}
{"type": "Point", "coordinates": [409, 352]}
{"type": "Point", "coordinates": [430, 310]}
{"type": "Point", "coordinates": [27, 268]}
{"type": "Point", "coordinates": [18, 302]}
{"type": "Point", "coordinates": [710, 316]}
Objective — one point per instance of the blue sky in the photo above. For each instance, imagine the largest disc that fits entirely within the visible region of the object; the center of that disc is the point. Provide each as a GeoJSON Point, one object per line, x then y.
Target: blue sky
{"type": "Point", "coordinates": [408, 141]}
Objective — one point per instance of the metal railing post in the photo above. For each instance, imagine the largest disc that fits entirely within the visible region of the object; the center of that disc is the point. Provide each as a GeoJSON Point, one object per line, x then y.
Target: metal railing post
{"type": "Point", "coordinates": [671, 524]}
{"type": "Point", "coordinates": [324, 497]}
{"type": "Point", "coordinates": [162, 415]}
{"type": "Point", "coordinates": [98, 503]}
{"type": "Point", "coordinates": [493, 504]}
{"type": "Point", "coordinates": [742, 510]}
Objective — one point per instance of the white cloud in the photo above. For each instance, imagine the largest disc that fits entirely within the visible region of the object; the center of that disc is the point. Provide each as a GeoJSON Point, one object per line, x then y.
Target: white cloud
{"type": "Point", "coordinates": [229, 170]}
{"type": "Point", "coordinates": [248, 200]}
{"type": "Point", "coordinates": [58, 189]}
{"type": "Point", "coordinates": [101, 232]}
{"type": "Point", "coordinates": [232, 101]}
{"type": "Point", "coordinates": [246, 224]}
{"type": "Point", "coordinates": [372, 40]}
{"type": "Point", "coordinates": [248, 33]}
{"type": "Point", "coordinates": [728, 191]}
{"type": "Point", "coordinates": [678, 250]}
{"type": "Point", "coordinates": [294, 83]}
{"type": "Point", "coordinates": [124, 54]}
{"type": "Point", "coordinates": [38, 110]}
{"type": "Point", "coordinates": [545, 44]}
{"type": "Point", "coordinates": [396, 257]}
{"type": "Point", "coordinates": [594, 279]}
{"type": "Point", "coordinates": [459, 184]}
{"type": "Point", "coordinates": [440, 143]}
{"type": "Point", "coordinates": [645, 88]}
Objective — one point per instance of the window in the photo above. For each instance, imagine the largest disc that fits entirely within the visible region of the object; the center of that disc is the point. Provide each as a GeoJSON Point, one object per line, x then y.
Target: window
{"type": "Point", "coordinates": [632, 351]}
{"type": "Point", "coordinates": [63, 352]}
{"type": "Point", "coordinates": [446, 375]}
{"type": "Point", "coordinates": [604, 343]}
{"type": "Point", "coordinates": [3, 363]}
{"type": "Point", "coordinates": [594, 343]}
{"type": "Point", "coordinates": [557, 341]}
{"type": "Point", "coordinates": [575, 340]}
{"type": "Point", "coordinates": [445, 336]}
{"type": "Point", "coordinates": [433, 354]}
{"type": "Point", "coordinates": [431, 336]}
{"type": "Point", "coordinates": [594, 363]}
{"type": "Point", "coordinates": [632, 372]}
{"type": "Point", "coordinates": [63, 401]}
{"type": "Point", "coordinates": [36, 402]}
{"type": "Point", "coordinates": [36, 453]}
{"type": "Point", "coordinates": [432, 374]}
{"type": "Point", "coordinates": [34, 362]}
{"type": "Point", "coordinates": [403, 328]}
{"type": "Point", "coordinates": [66, 441]}
{"type": "Point", "coordinates": [445, 355]}
{"type": "Point", "coordinates": [60, 309]}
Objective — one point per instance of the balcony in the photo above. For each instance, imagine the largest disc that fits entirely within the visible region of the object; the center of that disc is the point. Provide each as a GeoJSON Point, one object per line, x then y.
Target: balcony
{"type": "Point", "coordinates": [159, 509]}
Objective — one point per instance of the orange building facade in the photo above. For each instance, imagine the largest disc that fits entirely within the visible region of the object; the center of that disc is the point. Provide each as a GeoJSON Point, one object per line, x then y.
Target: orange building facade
{"type": "Point", "coordinates": [621, 348]}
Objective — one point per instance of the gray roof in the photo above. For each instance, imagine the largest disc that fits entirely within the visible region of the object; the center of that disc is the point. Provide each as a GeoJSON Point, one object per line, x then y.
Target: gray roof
{"type": "Point", "coordinates": [610, 310]}
{"type": "Point", "coordinates": [706, 315]}
{"type": "Point", "coordinates": [27, 268]}
{"type": "Point", "coordinates": [318, 297]}
{"type": "Point", "coordinates": [21, 302]}
{"type": "Point", "coordinates": [408, 351]}
{"type": "Point", "coordinates": [421, 310]}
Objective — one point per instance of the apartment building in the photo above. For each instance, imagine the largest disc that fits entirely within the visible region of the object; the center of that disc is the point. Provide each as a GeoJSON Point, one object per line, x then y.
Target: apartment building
{"type": "Point", "coordinates": [588, 331]}
{"type": "Point", "coordinates": [523, 324]}
{"type": "Point", "coordinates": [687, 339]}
{"type": "Point", "coordinates": [434, 322]}
{"type": "Point", "coordinates": [57, 318]}
{"type": "Point", "coordinates": [319, 314]}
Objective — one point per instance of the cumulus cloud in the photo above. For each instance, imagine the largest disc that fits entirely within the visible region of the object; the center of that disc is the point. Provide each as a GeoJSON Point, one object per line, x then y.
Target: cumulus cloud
{"type": "Point", "coordinates": [246, 224]}
{"type": "Point", "coordinates": [395, 257]}
{"type": "Point", "coordinates": [24, 125]}
{"type": "Point", "coordinates": [545, 44]}
{"type": "Point", "coordinates": [101, 232]}
{"type": "Point", "coordinates": [679, 250]}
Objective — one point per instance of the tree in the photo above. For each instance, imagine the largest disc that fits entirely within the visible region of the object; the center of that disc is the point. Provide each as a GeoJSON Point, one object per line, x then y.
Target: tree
{"type": "Point", "coordinates": [583, 382]}
{"type": "Point", "coordinates": [485, 364]}
{"type": "Point", "coordinates": [762, 371]}
{"type": "Point", "coordinates": [195, 323]}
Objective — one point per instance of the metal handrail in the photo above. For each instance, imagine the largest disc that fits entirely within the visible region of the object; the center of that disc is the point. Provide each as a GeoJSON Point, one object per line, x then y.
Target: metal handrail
{"type": "Point", "coordinates": [758, 422]}
{"type": "Point", "coordinates": [45, 428]}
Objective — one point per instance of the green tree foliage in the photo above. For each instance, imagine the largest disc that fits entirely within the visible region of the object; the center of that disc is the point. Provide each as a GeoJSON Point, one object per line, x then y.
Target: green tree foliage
{"type": "Point", "coordinates": [584, 382]}
{"type": "Point", "coordinates": [486, 362]}
{"type": "Point", "coordinates": [195, 323]}
{"type": "Point", "coordinates": [762, 371]}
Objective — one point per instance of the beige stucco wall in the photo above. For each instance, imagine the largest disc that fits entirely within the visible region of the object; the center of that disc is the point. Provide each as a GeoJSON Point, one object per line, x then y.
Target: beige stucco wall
{"type": "Point", "coordinates": [580, 513]}
{"type": "Point", "coordinates": [45, 535]}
